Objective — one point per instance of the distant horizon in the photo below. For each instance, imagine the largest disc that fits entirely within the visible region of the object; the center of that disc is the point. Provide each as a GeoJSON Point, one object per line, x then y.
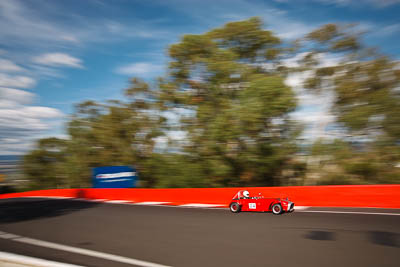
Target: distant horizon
{"type": "Point", "coordinates": [10, 157]}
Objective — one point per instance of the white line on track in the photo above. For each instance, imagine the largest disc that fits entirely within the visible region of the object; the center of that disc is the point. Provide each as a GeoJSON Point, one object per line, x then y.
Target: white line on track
{"type": "Point", "coordinates": [351, 212]}
{"type": "Point", "coordinates": [300, 208]}
{"type": "Point", "coordinates": [81, 251]}
{"type": "Point", "coordinates": [8, 236]}
{"type": "Point", "coordinates": [11, 258]}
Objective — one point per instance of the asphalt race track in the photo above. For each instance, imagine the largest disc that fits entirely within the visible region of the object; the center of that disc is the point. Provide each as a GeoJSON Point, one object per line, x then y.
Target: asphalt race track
{"type": "Point", "coordinates": [175, 236]}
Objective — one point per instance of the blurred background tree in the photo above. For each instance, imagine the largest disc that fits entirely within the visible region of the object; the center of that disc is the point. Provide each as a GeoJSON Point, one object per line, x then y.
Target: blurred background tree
{"type": "Point", "coordinates": [45, 166]}
{"type": "Point", "coordinates": [238, 132]}
{"type": "Point", "coordinates": [225, 93]}
{"type": "Point", "coordinates": [367, 104]}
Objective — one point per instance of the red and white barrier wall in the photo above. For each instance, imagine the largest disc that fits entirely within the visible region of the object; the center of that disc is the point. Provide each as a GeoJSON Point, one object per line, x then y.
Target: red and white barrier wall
{"type": "Point", "coordinates": [376, 196]}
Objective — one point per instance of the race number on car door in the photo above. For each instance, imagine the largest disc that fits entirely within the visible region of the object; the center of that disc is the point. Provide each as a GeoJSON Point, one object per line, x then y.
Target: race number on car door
{"type": "Point", "coordinates": [252, 205]}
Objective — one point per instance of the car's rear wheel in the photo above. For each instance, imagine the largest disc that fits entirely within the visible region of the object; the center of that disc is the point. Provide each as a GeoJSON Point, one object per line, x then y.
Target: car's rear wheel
{"type": "Point", "coordinates": [277, 209]}
{"type": "Point", "coordinates": [234, 207]}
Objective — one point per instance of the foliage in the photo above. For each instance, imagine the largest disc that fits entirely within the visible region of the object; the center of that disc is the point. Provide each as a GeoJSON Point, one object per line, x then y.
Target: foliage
{"type": "Point", "coordinates": [240, 133]}
{"type": "Point", "coordinates": [347, 164]}
{"type": "Point", "coordinates": [46, 164]}
{"type": "Point", "coordinates": [367, 101]}
{"type": "Point", "coordinates": [365, 82]}
{"type": "Point", "coordinates": [225, 91]}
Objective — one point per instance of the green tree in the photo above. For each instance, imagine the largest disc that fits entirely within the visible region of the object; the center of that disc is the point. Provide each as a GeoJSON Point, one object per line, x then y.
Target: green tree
{"type": "Point", "coordinates": [227, 92]}
{"type": "Point", "coordinates": [367, 100]}
{"type": "Point", "coordinates": [365, 81]}
{"type": "Point", "coordinates": [238, 131]}
{"type": "Point", "coordinates": [44, 166]}
{"type": "Point", "coordinates": [116, 133]}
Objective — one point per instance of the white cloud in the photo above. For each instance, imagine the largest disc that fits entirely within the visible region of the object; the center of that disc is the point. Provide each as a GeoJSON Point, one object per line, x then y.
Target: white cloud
{"type": "Point", "coordinates": [324, 60]}
{"type": "Point", "coordinates": [23, 125]}
{"type": "Point", "coordinates": [69, 38]}
{"type": "Point", "coordinates": [21, 23]}
{"type": "Point", "coordinates": [288, 29]}
{"type": "Point", "coordinates": [34, 25]}
{"type": "Point", "coordinates": [140, 69]}
{"type": "Point", "coordinates": [58, 59]}
{"type": "Point", "coordinates": [9, 66]}
{"type": "Point", "coordinates": [376, 3]}
{"type": "Point", "coordinates": [16, 96]}
{"type": "Point", "coordinates": [21, 122]}
{"type": "Point", "coordinates": [16, 81]}
{"type": "Point", "coordinates": [15, 146]}
{"type": "Point", "coordinates": [275, 19]}
{"type": "Point", "coordinates": [41, 112]}
{"type": "Point", "coordinates": [296, 80]}
{"type": "Point", "coordinates": [46, 72]}
{"type": "Point", "coordinates": [314, 117]}
{"type": "Point", "coordinates": [6, 104]}
{"type": "Point", "coordinates": [293, 62]}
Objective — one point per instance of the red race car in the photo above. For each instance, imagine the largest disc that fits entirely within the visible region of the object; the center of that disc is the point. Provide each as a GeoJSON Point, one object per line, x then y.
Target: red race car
{"type": "Point", "coordinates": [243, 202]}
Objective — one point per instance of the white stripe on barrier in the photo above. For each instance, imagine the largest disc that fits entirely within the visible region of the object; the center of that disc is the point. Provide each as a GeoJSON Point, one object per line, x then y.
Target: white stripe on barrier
{"type": "Point", "coordinates": [11, 258]}
{"type": "Point", "coordinates": [81, 251]}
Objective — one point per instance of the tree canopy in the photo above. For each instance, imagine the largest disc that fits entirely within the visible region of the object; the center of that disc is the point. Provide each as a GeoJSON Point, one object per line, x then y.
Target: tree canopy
{"type": "Point", "coordinates": [225, 92]}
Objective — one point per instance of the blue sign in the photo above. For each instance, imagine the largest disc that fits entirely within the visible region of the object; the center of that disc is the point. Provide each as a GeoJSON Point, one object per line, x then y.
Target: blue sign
{"type": "Point", "coordinates": [114, 177]}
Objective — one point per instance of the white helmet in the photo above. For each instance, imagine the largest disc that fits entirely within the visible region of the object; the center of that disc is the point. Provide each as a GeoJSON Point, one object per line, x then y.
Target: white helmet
{"type": "Point", "coordinates": [246, 193]}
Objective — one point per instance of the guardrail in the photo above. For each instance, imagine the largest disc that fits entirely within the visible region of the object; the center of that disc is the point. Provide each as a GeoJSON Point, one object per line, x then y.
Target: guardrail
{"type": "Point", "coordinates": [376, 196]}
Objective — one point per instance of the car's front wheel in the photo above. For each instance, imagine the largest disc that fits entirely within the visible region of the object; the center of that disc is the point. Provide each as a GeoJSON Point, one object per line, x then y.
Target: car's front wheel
{"type": "Point", "coordinates": [277, 209]}
{"type": "Point", "coordinates": [234, 207]}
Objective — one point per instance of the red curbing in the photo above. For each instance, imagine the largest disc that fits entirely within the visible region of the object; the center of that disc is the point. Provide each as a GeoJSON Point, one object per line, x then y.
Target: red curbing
{"type": "Point", "coordinates": [374, 196]}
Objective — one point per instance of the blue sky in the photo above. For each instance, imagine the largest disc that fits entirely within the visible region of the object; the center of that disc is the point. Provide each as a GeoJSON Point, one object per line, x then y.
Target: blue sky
{"type": "Point", "coordinates": [55, 53]}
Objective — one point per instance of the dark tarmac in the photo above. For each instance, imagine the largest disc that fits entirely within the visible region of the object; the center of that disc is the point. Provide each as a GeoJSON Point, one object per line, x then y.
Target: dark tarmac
{"type": "Point", "coordinates": [188, 237]}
